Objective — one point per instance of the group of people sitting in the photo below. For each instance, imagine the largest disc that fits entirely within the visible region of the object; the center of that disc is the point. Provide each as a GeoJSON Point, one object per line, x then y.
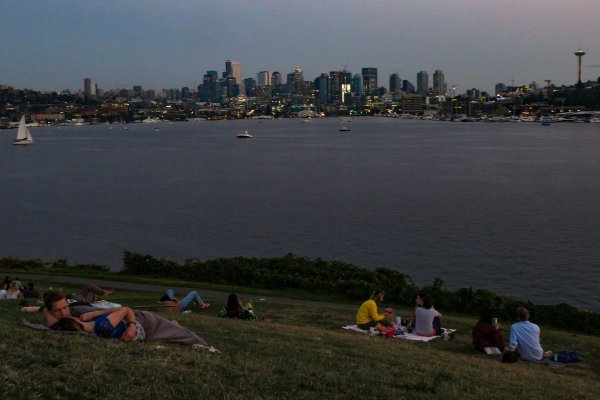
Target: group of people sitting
{"type": "Point", "coordinates": [13, 290]}
{"type": "Point", "coordinates": [524, 341]}
{"type": "Point", "coordinates": [81, 312]}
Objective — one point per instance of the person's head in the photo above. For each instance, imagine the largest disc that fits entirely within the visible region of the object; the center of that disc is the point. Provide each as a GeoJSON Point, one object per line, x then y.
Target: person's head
{"type": "Point", "coordinates": [14, 286]}
{"type": "Point", "coordinates": [377, 296]}
{"type": "Point", "coordinates": [522, 313]}
{"type": "Point", "coordinates": [426, 302]}
{"type": "Point", "coordinates": [30, 286]}
{"type": "Point", "coordinates": [56, 303]}
{"type": "Point", "coordinates": [419, 299]}
{"type": "Point", "coordinates": [233, 306]}
{"type": "Point", "coordinates": [69, 324]}
{"type": "Point", "coordinates": [486, 315]}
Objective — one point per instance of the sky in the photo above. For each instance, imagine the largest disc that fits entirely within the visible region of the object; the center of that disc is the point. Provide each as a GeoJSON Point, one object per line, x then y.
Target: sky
{"type": "Point", "coordinates": [55, 44]}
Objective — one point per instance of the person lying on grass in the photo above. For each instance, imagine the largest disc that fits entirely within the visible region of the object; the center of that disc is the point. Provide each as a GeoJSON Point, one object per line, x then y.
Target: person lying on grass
{"type": "Point", "coordinates": [191, 298]}
{"type": "Point", "coordinates": [367, 315]}
{"type": "Point", "coordinates": [129, 324]}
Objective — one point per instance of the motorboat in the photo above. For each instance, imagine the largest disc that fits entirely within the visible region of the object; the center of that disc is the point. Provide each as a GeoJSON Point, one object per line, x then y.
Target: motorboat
{"type": "Point", "coordinates": [245, 135]}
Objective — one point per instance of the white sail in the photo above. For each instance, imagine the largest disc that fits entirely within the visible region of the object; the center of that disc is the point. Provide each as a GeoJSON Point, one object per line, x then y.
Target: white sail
{"type": "Point", "coordinates": [23, 134]}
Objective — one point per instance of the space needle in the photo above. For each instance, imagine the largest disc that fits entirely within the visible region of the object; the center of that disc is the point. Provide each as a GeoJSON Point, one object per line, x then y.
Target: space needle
{"type": "Point", "coordinates": [579, 53]}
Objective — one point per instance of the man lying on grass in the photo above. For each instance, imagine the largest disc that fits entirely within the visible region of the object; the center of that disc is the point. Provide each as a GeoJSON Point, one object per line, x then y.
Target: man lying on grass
{"type": "Point", "coordinates": [120, 322]}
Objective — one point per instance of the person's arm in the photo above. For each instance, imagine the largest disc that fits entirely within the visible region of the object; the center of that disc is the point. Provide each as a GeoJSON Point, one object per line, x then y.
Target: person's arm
{"type": "Point", "coordinates": [90, 315]}
{"type": "Point", "coordinates": [373, 314]}
{"type": "Point", "coordinates": [128, 315]}
{"type": "Point", "coordinates": [512, 341]}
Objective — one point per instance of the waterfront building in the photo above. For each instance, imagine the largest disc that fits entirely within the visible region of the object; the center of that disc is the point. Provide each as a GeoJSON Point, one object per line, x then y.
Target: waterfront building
{"type": "Point", "coordinates": [322, 89]}
{"type": "Point", "coordinates": [395, 83]}
{"type": "Point", "coordinates": [439, 83]}
{"type": "Point", "coordinates": [412, 103]}
{"type": "Point", "coordinates": [185, 93]}
{"type": "Point", "coordinates": [422, 83]}
{"type": "Point", "coordinates": [369, 80]}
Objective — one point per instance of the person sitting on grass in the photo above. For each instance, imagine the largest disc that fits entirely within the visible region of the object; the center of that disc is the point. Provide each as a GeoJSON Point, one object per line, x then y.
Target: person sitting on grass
{"type": "Point", "coordinates": [14, 291]}
{"type": "Point", "coordinates": [188, 299]}
{"type": "Point", "coordinates": [525, 338]}
{"type": "Point", "coordinates": [90, 293]}
{"type": "Point", "coordinates": [367, 315]}
{"type": "Point", "coordinates": [146, 325]}
{"type": "Point", "coordinates": [235, 309]}
{"type": "Point", "coordinates": [487, 334]}
{"type": "Point", "coordinates": [427, 320]}
{"type": "Point", "coordinates": [410, 324]}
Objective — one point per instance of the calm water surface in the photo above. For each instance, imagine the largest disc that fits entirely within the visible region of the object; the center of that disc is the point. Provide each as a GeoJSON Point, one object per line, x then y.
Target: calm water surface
{"type": "Point", "coordinates": [510, 207]}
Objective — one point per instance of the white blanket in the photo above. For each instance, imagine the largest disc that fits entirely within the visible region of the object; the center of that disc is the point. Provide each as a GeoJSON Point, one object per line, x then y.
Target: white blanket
{"type": "Point", "coordinates": [406, 336]}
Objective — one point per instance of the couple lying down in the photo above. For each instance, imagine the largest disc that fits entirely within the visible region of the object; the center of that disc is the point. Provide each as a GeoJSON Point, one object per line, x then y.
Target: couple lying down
{"type": "Point", "coordinates": [121, 322]}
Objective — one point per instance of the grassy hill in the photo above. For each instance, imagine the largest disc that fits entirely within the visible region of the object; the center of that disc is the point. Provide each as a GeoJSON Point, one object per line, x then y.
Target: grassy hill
{"type": "Point", "coordinates": [299, 352]}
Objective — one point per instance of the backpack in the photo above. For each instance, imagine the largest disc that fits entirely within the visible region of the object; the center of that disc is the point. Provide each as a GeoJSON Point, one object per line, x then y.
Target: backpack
{"type": "Point", "coordinates": [566, 356]}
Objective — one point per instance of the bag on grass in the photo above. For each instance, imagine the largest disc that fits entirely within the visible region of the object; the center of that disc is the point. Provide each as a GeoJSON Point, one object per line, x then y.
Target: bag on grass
{"type": "Point", "coordinates": [566, 356]}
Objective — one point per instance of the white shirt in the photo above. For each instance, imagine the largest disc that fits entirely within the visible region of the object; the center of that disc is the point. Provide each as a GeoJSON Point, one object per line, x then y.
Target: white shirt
{"type": "Point", "coordinates": [424, 321]}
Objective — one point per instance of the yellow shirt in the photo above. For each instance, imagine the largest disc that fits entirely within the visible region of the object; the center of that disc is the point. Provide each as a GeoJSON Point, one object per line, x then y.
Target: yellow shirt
{"type": "Point", "coordinates": [367, 312]}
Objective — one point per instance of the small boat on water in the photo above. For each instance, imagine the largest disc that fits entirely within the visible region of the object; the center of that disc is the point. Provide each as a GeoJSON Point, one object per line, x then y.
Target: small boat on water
{"type": "Point", "coordinates": [245, 135]}
{"type": "Point", "coordinates": [345, 128]}
{"type": "Point", "coordinates": [23, 134]}
{"type": "Point", "coordinates": [545, 121]}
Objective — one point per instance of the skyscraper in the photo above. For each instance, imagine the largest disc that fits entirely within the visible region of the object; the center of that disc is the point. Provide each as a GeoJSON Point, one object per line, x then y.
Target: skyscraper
{"type": "Point", "coordinates": [422, 83]}
{"type": "Point", "coordinates": [357, 85]}
{"type": "Point", "coordinates": [296, 80]}
{"type": "Point", "coordinates": [369, 80]}
{"type": "Point", "coordinates": [322, 87]}
{"type": "Point", "coordinates": [439, 84]}
{"type": "Point", "coordinates": [89, 88]}
{"type": "Point", "coordinates": [263, 78]}
{"type": "Point", "coordinates": [234, 69]}
{"type": "Point", "coordinates": [395, 83]}
{"type": "Point", "coordinates": [276, 79]}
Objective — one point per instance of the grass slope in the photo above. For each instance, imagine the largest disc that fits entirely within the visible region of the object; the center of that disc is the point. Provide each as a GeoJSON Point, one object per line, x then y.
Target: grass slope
{"type": "Point", "coordinates": [299, 353]}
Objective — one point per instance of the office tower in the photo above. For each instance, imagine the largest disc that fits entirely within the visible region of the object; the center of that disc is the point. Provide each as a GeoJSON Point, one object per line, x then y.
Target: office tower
{"type": "Point", "coordinates": [439, 84]}
{"type": "Point", "coordinates": [137, 91]}
{"type": "Point", "coordinates": [322, 87]}
{"type": "Point", "coordinates": [395, 83]}
{"type": "Point", "coordinates": [369, 80]}
{"type": "Point", "coordinates": [210, 87]}
{"type": "Point", "coordinates": [250, 87]}
{"type": "Point", "coordinates": [296, 80]}
{"type": "Point", "coordinates": [89, 88]}
{"type": "Point", "coordinates": [357, 85]}
{"type": "Point", "coordinates": [263, 78]}
{"type": "Point", "coordinates": [335, 87]}
{"type": "Point", "coordinates": [473, 94]}
{"type": "Point", "coordinates": [276, 79]}
{"type": "Point", "coordinates": [234, 70]}
{"type": "Point", "coordinates": [499, 88]}
{"type": "Point", "coordinates": [185, 92]}
{"type": "Point", "coordinates": [408, 87]}
{"type": "Point", "coordinates": [422, 83]}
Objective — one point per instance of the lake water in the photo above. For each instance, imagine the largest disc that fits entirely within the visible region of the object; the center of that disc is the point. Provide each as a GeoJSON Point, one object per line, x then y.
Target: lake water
{"type": "Point", "coordinates": [511, 207]}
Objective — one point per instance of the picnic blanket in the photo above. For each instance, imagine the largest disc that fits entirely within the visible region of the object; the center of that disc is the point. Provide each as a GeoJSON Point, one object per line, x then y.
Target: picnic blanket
{"type": "Point", "coordinates": [405, 335]}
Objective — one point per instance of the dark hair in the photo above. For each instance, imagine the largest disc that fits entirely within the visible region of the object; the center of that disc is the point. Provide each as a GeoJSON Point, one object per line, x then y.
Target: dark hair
{"type": "Point", "coordinates": [233, 306]}
{"type": "Point", "coordinates": [377, 294]}
{"type": "Point", "coordinates": [51, 297]}
{"type": "Point", "coordinates": [67, 324]}
{"type": "Point", "coordinates": [426, 302]}
{"type": "Point", "coordinates": [523, 313]}
{"type": "Point", "coordinates": [486, 314]}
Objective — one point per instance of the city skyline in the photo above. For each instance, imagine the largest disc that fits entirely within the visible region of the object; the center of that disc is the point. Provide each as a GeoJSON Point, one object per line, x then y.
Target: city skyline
{"type": "Point", "coordinates": [158, 45]}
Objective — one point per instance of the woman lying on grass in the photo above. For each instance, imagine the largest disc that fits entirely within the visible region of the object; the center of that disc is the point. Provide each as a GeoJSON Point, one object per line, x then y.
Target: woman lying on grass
{"type": "Point", "coordinates": [121, 322]}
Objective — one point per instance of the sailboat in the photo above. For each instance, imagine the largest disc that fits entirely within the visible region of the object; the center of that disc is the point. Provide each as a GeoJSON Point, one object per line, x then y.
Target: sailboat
{"type": "Point", "coordinates": [23, 135]}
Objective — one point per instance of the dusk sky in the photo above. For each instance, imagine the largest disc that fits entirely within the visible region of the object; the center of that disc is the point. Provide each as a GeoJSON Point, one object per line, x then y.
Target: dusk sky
{"type": "Point", "coordinates": [54, 45]}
